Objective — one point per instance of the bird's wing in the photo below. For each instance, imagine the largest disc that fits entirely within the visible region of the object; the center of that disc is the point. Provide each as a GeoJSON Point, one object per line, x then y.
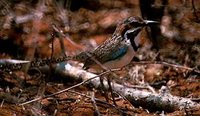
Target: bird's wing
{"type": "Point", "coordinates": [107, 51]}
{"type": "Point", "coordinates": [117, 53]}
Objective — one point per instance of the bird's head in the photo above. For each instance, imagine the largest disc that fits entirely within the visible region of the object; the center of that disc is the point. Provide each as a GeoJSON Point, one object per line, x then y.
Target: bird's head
{"type": "Point", "coordinates": [130, 28]}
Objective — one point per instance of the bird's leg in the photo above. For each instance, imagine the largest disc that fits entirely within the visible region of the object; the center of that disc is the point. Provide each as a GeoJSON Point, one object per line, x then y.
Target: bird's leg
{"type": "Point", "coordinates": [103, 89]}
{"type": "Point", "coordinates": [110, 88]}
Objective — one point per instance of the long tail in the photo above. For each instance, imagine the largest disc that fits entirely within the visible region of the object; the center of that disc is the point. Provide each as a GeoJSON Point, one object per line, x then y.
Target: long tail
{"type": "Point", "coordinates": [48, 61]}
{"type": "Point", "coordinates": [6, 66]}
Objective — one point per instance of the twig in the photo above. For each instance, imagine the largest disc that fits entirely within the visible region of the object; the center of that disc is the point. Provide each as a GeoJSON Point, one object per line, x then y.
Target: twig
{"type": "Point", "coordinates": [62, 91]}
{"type": "Point", "coordinates": [2, 103]}
{"type": "Point", "coordinates": [61, 34]}
{"type": "Point", "coordinates": [100, 101]}
{"type": "Point", "coordinates": [168, 64]}
{"type": "Point", "coordinates": [149, 100]}
{"type": "Point", "coordinates": [96, 110]}
{"type": "Point", "coordinates": [60, 39]}
{"type": "Point", "coordinates": [97, 100]}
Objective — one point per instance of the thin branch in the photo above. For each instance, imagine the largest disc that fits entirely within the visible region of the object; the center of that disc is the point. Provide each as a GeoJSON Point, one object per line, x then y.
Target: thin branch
{"type": "Point", "coordinates": [97, 100]}
{"type": "Point", "coordinates": [168, 64]}
{"type": "Point", "coordinates": [65, 90]}
{"type": "Point", "coordinates": [96, 110]}
{"type": "Point", "coordinates": [149, 100]}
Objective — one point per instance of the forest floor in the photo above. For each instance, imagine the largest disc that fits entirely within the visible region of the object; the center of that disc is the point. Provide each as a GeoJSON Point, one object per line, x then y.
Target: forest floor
{"type": "Point", "coordinates": [86, 24]}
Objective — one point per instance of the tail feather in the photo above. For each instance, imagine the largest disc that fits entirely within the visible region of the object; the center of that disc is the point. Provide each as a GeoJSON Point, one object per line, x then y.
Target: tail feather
{"type": "Point", "coordinates": [12, 66]}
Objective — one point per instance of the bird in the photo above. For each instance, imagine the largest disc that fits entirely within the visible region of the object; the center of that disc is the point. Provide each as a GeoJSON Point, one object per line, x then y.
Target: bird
{"type": "Point", "coordinates": [118, 50]}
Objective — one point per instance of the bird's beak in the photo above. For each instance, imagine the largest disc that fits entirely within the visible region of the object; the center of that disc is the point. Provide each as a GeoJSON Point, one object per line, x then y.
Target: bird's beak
{"type": "Point", "coordinates": [149, 22]}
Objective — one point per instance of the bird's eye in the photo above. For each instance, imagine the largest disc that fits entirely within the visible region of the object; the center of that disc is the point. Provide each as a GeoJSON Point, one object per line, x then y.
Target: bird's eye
{"type": "Point", "coordinates": [136, 24]}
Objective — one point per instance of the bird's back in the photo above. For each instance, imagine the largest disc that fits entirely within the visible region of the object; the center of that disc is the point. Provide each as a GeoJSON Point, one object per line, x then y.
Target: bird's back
{"type": "Point", "coordinates": [113, 48]}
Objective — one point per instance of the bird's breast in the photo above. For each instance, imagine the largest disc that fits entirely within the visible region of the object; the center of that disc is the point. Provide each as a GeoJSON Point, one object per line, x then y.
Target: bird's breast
{"type": "Point", "coordinates": [123, 60]}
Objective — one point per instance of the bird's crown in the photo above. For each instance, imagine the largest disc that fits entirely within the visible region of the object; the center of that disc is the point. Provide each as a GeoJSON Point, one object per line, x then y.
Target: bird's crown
{"type": "Point", "coordinates": [131, 26]}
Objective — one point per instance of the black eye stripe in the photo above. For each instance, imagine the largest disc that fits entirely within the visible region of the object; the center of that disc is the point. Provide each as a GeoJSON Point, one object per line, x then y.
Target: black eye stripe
{"type": "Point", "coordinates": [131, 34]}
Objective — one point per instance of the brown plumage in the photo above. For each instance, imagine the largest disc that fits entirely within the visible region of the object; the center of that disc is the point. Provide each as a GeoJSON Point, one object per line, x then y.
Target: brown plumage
{"type": "Point", "coordinates": [118, 45]}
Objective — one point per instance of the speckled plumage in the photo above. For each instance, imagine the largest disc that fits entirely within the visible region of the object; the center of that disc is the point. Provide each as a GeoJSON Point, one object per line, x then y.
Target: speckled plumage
{"type": "Point", "coordinates": [118, 45]}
